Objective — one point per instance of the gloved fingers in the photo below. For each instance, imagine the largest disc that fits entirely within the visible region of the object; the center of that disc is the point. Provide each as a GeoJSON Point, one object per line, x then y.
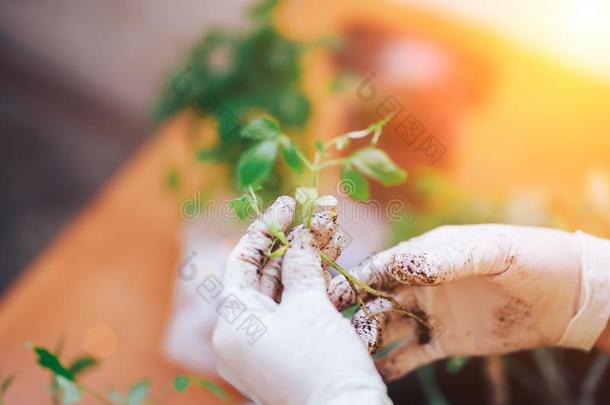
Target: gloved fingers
{"type": "Point", "coordinates": [323, 227]}
{"type": "Point", "coordinates": [302, 266]}
{"type": "Point", "coordinates": [485, 255]}
{"type": "Point", "coordinates": [242, 266]}
{"type": "Point", "coordinates": [405, 359]}
{"type": "Point", "coordinates": [334, 247]}
{"type": "Point", "coordinates": [371, 271]}
{"type": "Point", "coordinates": [371, 328]}
{"type": "Point", "coordinates": [271, 283]}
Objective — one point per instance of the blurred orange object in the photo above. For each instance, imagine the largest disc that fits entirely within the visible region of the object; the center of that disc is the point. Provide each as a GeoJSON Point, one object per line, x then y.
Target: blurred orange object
{"type": "Point", "coordinates": [515, 119]}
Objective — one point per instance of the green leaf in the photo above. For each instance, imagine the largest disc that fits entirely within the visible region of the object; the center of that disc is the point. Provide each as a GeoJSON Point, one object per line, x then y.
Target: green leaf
{"type": "Point", "coordinates": [242, 206]}
{"type": "Point", "coordinates": [291, 156]}
{"type": "Point", "coordinates": [354, 184]}
{"type": "Point", "coordinates": [305, 195]}
{"type": "Point", "coordinates": [71, 391]}
{"type": "Point", "coordinates": [292, 107]}
{"type": "Point", "coordinates": [51, 362]}
{"type": "Point", "coordinates": [137, 393]}
{"type": "Point", "coordinates": [261, 129]}
{"type": "Point", "coordinates": [319, 145]}
{"type": "Point", "coordinates": [349, 312]}
{"type": "Point", "coordinates": [306, 198]}
{"type": "Point", "coordinates": [255, 165]}
{"type": "Point", "coordinates": [81, 364]}
{"type": "Point", "coordinates": [455, 364]}
{"type": "Point", "coordinates": [213, 388]}
{"type": "Point", "coordinates": [180, 383]}
{"type": "Point", "coordinates": [387, 349]}
{"type": "Point", "coordinates": [376, 164]}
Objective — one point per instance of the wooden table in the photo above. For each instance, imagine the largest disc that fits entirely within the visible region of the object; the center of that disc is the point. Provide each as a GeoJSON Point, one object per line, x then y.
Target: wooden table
{"type": "Point", "coordinates": [105, 283]}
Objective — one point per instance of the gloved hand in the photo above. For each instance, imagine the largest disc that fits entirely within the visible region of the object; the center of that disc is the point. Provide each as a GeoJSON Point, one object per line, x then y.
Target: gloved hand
{"type": "Point", "coordinates": [300, 351]}
{"type": "Point", "coordinates": [493, 288]}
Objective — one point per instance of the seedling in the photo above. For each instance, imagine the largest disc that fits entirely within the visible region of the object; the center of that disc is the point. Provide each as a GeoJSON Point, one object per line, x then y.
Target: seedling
{"type": "Point", "coordinates": [67, 388]}
{"type": "Point", "coordinates": [256, 165]}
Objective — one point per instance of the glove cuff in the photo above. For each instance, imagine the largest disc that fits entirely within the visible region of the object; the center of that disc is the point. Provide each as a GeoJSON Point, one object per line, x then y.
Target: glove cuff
{"type": "Point", "coordinates": [351, 389]}
{"type": "Point", "coordinates": [594, 306]}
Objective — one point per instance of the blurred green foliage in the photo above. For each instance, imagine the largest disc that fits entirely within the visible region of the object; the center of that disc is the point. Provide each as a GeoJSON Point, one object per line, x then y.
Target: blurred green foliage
{"type": "Point", "coordinates": [230, 75]}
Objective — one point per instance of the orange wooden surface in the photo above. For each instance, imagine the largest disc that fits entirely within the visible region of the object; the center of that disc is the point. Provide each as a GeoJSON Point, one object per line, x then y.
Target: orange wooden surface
{"type": "Point", "coordinates": [112, 270]}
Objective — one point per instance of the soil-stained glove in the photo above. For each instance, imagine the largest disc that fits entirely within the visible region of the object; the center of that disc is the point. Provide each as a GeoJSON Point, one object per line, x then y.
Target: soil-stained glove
{"type": "Point", "coordinates": [300, 351]}
{"type": "Point", "coordinates": [493, 288]}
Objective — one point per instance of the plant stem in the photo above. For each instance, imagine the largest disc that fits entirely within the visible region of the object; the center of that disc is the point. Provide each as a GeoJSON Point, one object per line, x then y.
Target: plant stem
{"type": "Point", "coordinates": [370, 290]}
{"type": "Point", "coordinates": [333, 141]}
{"type": "Point", "coordinates": [333, 162]}
{"type": "Point", "coordinates": [96, 395]}
{"type": "Point", "coordinates": [359, 298]}
{"type": "Point", "coordinates": [254, 201]}
{"type": "Point", "coordinates": [304, 159]}
{"type": "Point", "coordinates": [316, 169]}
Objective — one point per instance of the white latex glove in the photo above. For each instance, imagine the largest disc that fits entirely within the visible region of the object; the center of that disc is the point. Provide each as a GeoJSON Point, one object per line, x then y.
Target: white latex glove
{"type": "Point", "coordinates": [494, 289]}
{"type": "Point", "coordinates": [300, 351]}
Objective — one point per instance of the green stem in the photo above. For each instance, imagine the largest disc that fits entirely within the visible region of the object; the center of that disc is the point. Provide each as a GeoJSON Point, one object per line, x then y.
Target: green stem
{"type": "Point", "coordinates": [359, 298]}
{"type": "Point", "coordinates": [430, 387]}
{"type": "Point", "coordinates": [333, 162]}
{"type": "Point", "coordinates": [254, 201]}
{"type": "Point", "coordinates": [331, 142]}
{"type": "Point", "coordinates": [304, 159]}
{"type": "Point", "coordinates": [316, 169]}
{"type": "Point", "coordinates": [370, 290]}
{"type": "Point", "coordinates": [96, 395]}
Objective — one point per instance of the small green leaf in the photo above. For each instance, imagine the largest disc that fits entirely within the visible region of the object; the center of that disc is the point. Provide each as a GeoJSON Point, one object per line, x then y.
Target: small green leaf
{"type": "Point", "coordinates": [305, 195]}
{"type": "Point", "coordinates": [376, 164]}
{"type": "Point", "coordinates": [213, 388]}
{"type": "Point", "coordinates": [241, 206]}
{"type": "Point", "coordinates": [291, 156]}
{"type": "Point", "coordinates": [387, 349]}
{"type": "Point", "coordinates": [137, 393]}
{"type": "Point", "coordinates": [71, 391]}
{"type": "Point", "coordinates": [180, 383]}
{"type": "Point", "coordinates": [350, 311]}
{"type": "Point", "coordinates": [306, 198]}
{"type": "Point", "coordinates": [354, 184]}
{"type": "Point", "coordinates": [261, 129]}
{"type": "Point", "coordinates": [455, 364]}
{"type": "Point", "coordinates": [279, 252]}
{"type": "Point", "coordinates": [255, 165]}
{"type": "Point", "coordinates": [51, 362]}
{"type": "Point", "coordinates": [81, 364]}
{"type": "Point", "coordinates": [319, 145]}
